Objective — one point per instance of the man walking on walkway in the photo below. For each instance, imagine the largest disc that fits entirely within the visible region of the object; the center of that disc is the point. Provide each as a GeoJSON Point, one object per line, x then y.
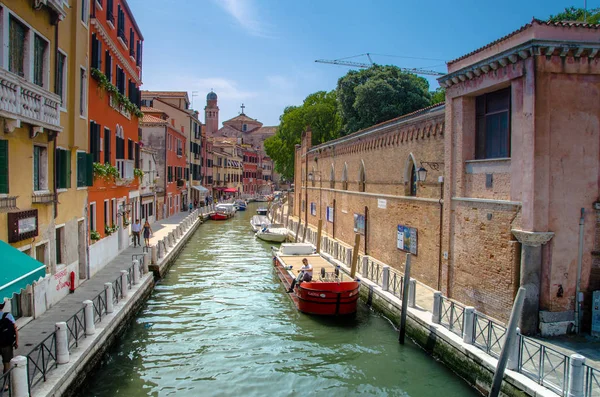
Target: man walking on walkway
{"type": "Point", "coordinates": [9, 337]}
{"type": "Point", "coordinates": [136, 228]}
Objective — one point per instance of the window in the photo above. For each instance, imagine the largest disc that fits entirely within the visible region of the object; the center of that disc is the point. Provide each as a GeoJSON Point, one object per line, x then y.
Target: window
{"type": "Point", "coordinates": [113, 211]}
{"type": "Point", "coordinates": [96, 53]}
{"type": "Point", "coordinates": [61, 78]}
{"type": "Point", "coordinates": [108, 65]}
{"type": "Point", "coordinates": [40, 168]}
{"type": "Point", "coordinates": [92, 216]}
{"type": "Point", "coordinates": [120, 80]}
{"type": "Point", "coordinates": [107, 139]}
{"type": "Point", "coordinates": [138, 55]}
{"type": "Point", "coordinates": [16, 56]}
{"type": "Point", "coordinates": [131, 41]}
{"type": "Point", "coordinates": [106, 213]}
{"type": "Point", "coordinates": [60, 237]}
{"type": "Point", "coordinates": [85, 169]}
{"type": "Point", "coordinates": [84, 11]}
{"type": "Point", "coordinates": [95, 141]}
{"type": "Point", "coordinates": [361, 177]}
{"type": "Point", "coordinates": [492, 112]}
{"type": "Point", "coordinates": [83, 93]}
{"type": "Point", "coordinates": [63, 168]}
{"type": "Point", "coordinates": [121, 24]}
{"type": "Point", "coordinates": [413, 179]}
{"type": "Point", "coordinates": [39, 59]}
{"type": "Point", "coordinates": [244, 127]}
{"type": "Point", "coordinates": [345, 177]}
{"type": "Point", "coordinates": [3, 166]}
{"type": "Point", "coordinates": [40, 256]}
{"type": "Point", "coordinates": [130, 149]}
{"type": "Point", "coordinates": [110, 17]}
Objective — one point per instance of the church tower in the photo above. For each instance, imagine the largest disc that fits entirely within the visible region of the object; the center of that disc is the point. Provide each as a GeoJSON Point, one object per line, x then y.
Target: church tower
{"type": "Point", "coordinates": [211, 114]}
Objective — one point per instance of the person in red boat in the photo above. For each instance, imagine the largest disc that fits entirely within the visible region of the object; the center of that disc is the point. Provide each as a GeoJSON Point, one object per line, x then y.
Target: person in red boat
{"type": "Point", "coordinates": [306, 273]}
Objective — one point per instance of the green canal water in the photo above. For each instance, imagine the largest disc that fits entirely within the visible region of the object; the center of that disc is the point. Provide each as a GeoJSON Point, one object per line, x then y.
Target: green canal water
{"type": "Point", "coordinates": [220, 324]}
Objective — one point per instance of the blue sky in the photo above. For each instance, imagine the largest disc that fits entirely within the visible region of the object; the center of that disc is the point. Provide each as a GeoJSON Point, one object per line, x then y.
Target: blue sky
{"type": "Point", "coordinates": [262, 52]}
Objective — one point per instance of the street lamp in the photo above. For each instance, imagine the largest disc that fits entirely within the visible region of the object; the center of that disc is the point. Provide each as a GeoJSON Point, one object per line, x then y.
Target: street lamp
{"type": "Point", "coordinates": [422, 171]}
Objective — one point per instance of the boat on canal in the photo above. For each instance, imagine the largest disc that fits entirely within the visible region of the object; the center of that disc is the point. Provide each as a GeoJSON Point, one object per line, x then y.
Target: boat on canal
{"type": "Point", "coordinates": [262, 211]}
{"type": "Point", "coordinates": [222, 212]}
{"type": "Point", "coordinates": [258, 222]}
{"type": "Point", "coordinates": [275, 233]}
{"type": "Point", "coordinates": [240, 205]}
{"type": "Point", "coordinates": [330, 293]}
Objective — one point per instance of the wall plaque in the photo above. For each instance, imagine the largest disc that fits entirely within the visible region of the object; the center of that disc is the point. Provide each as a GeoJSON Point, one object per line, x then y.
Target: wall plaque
{"type": "Point", "coordinates": [22, 225]}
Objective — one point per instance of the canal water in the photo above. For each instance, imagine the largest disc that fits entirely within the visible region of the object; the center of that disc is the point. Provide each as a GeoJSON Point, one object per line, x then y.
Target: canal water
{"type": "Point", "coordinates": [220, 324]}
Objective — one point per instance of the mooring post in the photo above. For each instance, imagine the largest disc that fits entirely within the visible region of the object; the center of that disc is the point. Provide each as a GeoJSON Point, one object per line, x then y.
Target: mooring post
{"type": "Point", "coordinates": [110, 306]}
{"type": "Point", "coordinates": [319, 231]}
{"type": "Point", "coordinates": [511, 332]}
{"type": "Point", "coordinates": [355, 255]}
{"type": "Point", "coordinates": [88, 313]}
{"type": "Point", "coordinates": [513, 356]}
{"type": "Point", "coordinates": [18, 377]}
{"type": "Point", "coordinates": [62, 343]}
{"type": "Point", "coordinates": [404, 299]}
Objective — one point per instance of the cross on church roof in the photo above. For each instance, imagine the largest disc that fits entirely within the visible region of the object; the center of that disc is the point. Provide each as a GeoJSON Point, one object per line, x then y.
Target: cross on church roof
{"type": "Point", "coordinates": [243, 107]}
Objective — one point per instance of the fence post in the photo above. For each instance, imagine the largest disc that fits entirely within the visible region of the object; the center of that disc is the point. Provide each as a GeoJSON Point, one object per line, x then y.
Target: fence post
{"type": "Point", "coordinates": [576, 375]}
{"type": "Point", "coordinates": [18, 377]}
{"type": "Point", "coordinates": [88, 313]}
{"type": "Point", "coordinates": [154, 256]}
{"type": "Point", "coordinates": [412, 293]}
{"type": "Point", "coordinates": [124, 283]}
{"type": "Point", "coordinates": [136, 272]}
{"type": "Point", "coordinates": [145, 263]}
{"type": "Point", "coordinates": [365, 266]}
{"type": "Point", "coordinates": [349, 256]}
{"type": "Point", "coordinates": [170, 237]}
{"type": "Point", "coordinates": [468, 323]}
{"type": "Point", "coordinates": [62, 343]}
{"type": "Point", "coordinates": [385, 278]}
{"type": "Point", "coordinates": [437, 307]}
{"type": "Point", "coordinates": [110, 306]}
{"type": "Point", "coordinates": [513, 355]}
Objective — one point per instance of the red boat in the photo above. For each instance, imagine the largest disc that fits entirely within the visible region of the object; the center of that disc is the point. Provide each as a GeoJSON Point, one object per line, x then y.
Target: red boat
{"type": "Point", "coordinates": [219, 216]}
{"type": "Point", "coordinates": [330, 293]}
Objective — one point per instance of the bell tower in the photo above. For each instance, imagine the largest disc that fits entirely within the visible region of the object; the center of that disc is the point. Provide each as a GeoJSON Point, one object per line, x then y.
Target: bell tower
{"type": "Point", "coordinates": [211, 113]}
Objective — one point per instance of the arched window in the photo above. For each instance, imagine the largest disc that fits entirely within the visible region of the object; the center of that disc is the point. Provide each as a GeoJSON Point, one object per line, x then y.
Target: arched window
{"type": "Point", "coordinates": [362, 181]}
{"type": "Point", "coordinates": [332, 177]}
{"type": "Point", "coordinates": [312, 176]}
{"type": "Point", "coordinates": [345, 177]}
{"type": "Point", "coordinates": [410, 176]}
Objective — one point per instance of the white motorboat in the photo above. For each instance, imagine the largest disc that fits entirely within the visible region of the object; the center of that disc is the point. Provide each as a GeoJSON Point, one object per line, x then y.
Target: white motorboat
{"type": "Point", "coordinates": [258, 222]}
{"type": "Point", "coordinates": [275, 233]}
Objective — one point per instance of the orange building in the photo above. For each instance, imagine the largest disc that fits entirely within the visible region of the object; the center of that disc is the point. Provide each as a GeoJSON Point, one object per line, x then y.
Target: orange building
{"type": "Point", "coordinates": [114, 99]}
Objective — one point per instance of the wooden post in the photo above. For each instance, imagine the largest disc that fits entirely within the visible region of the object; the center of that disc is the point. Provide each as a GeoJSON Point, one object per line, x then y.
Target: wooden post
{"type": "Point", "coordinates": [319, 230]}
{"type": "Point", "coordinates": [404, 299]}
{"type": "Point", "coordinates": [355, 255]}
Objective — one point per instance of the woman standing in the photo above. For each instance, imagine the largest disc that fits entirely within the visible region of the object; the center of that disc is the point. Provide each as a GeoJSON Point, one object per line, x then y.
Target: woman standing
{"type": "Point", "coordinates": [147, 230]}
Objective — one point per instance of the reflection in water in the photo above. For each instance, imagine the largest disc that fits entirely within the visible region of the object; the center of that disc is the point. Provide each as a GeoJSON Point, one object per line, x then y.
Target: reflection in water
{"type": "Point", "coordinates": [220, 324]}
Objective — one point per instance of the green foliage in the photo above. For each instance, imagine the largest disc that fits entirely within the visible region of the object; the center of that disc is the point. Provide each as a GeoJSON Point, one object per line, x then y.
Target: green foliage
{"type": "Point", "coordinates": [370, 96]}
{"type": "Point", "coordinates": [437, 96]}
{"type": "Point", "coordinates": [121, 99]}
{"type": "Point", "coordinates": [319, 111]}
{"type": "Point", "coordinates": [94, 235]}
{"type": "Point", "coordinates": [108, 230]}
{"type": "Point", "coordinates": [106, 171]}
{"type": "Point", "coordinates": [138, 173]}
{"type": "Point", "coordinates": [577, 14]}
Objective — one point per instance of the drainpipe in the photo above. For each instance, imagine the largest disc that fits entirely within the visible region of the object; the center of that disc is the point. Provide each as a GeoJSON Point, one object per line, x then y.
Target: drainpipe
{"type": "Point", "coordinates": [578, 286]}
{"type": "Point", "coordinates": [439, 283]}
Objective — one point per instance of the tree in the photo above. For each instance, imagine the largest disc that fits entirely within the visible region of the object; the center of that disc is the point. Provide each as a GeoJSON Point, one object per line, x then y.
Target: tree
{"type": "Point", "coordinates": [379, 93]}
{"type": "Point", "coordinates": [437, 96]}
{"type": "Point", "coordinates": [577, 14]}
{"type": "Point", "coordinates": [319, 112]}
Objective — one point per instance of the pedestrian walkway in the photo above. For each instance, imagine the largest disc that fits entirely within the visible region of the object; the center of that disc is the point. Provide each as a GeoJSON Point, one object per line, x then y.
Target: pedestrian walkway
{"type": "Point", "coordinates": [39, 328]}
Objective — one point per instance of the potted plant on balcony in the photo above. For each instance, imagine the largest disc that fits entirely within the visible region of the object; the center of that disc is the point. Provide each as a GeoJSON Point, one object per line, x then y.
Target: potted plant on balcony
{"type": "Point", "coordinates": [94, 236]}
{"type": "Point", "coordinates": [138, 173]}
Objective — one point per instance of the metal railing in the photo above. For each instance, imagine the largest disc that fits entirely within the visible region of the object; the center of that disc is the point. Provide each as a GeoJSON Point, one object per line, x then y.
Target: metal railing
{"type": "Point", "coordinates": [488, 335]}
{"type": "Point", "coordinates": [396, 286]}
{"type": "Point", "coordinates": [544, 365]}
{"type": "Point", "coordinates": [452, 316]}
{"type": "Point", "coordinates": [5, 384]}
{"type": "Point", "coordinates": [41, 359]}
{"type": "Point", "coordinates": [76, 328]}
{"type": "Point", "coordinates": [592, 381]}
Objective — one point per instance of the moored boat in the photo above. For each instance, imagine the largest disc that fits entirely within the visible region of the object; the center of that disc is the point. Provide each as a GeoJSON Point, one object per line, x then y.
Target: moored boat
{"type": "Point", "coordinates": [329, 293]}
{"type": "Point", "coordinates": [258, 222]}
{"type": "Point", "coordinates": [240, 205]}
{"type": "Point", "coordinates": [262, 211]}
{"type": "Point", "coordinates": [222, 212]}
{"type": "Point", "coordinates": [275, 233]}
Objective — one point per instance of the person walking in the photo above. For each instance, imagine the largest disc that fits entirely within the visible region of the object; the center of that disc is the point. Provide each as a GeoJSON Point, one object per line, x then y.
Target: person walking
{"type": "Point", "coordinates": [136, 228]}
{"type": "Point", "coordinates": [9, 339]}
{"type": "Point", "coordinates": [191, 207]}
{"type": "Point", "coordinates": [147, 230]}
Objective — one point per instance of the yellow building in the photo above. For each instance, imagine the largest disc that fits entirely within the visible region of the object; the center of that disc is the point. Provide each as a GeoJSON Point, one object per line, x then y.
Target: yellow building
{"type": "Point", "coordinates": [227, 167]}
{"type": "Point", "coordinates": [44, 171]}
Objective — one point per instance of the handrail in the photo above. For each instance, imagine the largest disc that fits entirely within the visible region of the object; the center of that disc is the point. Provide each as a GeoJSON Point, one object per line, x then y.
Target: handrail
{"type": "Point", "coordinates": [592, 381]}
{"type": "Point", "coordinates": [452, 316]}
{"type": "Point", "coordinates": [5, 383]}
{"type": "Point", "coordinates": [40, 359]}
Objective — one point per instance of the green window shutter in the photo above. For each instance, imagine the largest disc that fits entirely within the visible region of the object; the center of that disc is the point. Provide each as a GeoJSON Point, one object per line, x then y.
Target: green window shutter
{"type": "Point", "coordinates": [89, 170]}
{"type": "Point", "coordinates": [81, 169]}
{"type": "Point", "coordinates": [59, 172]}
{"type": "Point", "coordinates": [3, 166]}
{"type": "Point", "coordinates": [67, 156]}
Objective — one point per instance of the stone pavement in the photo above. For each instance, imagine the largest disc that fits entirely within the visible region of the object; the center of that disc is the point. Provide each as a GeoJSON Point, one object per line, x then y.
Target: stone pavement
{"type": "Point", "coordinates": [31, 334]}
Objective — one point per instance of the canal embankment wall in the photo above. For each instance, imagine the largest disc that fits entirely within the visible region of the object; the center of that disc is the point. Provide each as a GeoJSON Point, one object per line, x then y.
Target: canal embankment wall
{"type": "Point", "coordinates": [68, 379]}
{"type": "Point", "coordinates": [468, 361]}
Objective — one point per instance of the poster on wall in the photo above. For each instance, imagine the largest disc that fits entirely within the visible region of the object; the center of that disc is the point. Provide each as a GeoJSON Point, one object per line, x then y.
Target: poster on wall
{"type": "Point", "coordinates": [329, 214]}
{"type": "Point", "coordinates": [313, 209]}
{"type": "Point", "coordinates": [407, 239]}
{"type": "Point", "coordinates": [359, 224]}
{"type": "Point", "coordinates": [382, 203]}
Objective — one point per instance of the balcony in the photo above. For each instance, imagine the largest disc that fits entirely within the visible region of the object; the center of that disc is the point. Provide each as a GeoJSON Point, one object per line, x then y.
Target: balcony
{"type": "Point", "coordinates": [125, 168]}
{"type": "Point", "coordinates": [42, 198]}
{"type": "Point", "coordinates": [23, 101]}
{"type": "Point", "coordinates": [119, 107]}
{"type": "Point", "coordinates": [121, 37]}
{"type": "Point", "coordinates": [110, 17]}
{"type": "Point", "coordinates": [8, 203]}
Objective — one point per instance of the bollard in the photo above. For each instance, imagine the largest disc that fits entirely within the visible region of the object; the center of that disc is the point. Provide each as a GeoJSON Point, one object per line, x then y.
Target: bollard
{"type": "Point", "coordinates": [412, 293]}
{"type": "Point", "coordinates": [124, 283]}
{"type": "Point", "coordinates": [437, 307]}
{"type": "Point", "coordinates": [165, 242]}
{"type": "Point", "coordinates": [154, 256]}
{"type": "Point", "coordinates": [348, 257]}
{"type": "Point", "coordinates": [365, 266]}
{"type": "Point", "coordinates": [18, 377]}
{"type": "Point", "coordinates": [576, 375]}
{"type": "Point", "coordinates": [145, 263]}
{"type": "Point", "coordinates": [62, 343]}
{"type": "Point", "coordinates": [385, 278]}
{"type": "Point", "coordinates": [136, 272]}
{"type": "Point", "coordinates": [469, 321]}
{"type": "Point", "coordinates": [513, 355]}
{"type": "Point", "coordinates": [88, 313]}
{"type": "Point", "coordinates": [170, 238]}
{"type": "Point", "coordinates": [110, 306]}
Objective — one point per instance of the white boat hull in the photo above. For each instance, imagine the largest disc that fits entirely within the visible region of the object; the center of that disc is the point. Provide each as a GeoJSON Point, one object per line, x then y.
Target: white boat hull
{"type": "Point", "coordinates": [271, 237]}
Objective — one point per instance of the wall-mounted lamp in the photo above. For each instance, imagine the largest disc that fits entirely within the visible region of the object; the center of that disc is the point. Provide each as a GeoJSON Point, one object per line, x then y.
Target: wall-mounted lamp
{"type": "Point", "coordinates": [422, 171]}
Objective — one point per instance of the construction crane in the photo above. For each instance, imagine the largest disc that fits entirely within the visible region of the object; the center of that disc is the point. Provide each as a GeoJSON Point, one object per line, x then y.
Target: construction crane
{"type": "Point", "coordinates": [344, 62]}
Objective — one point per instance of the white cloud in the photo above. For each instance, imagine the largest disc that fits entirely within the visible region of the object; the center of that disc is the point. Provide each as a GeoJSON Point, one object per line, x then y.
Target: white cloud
{"type": "Point", "coordinates": [243, 11]}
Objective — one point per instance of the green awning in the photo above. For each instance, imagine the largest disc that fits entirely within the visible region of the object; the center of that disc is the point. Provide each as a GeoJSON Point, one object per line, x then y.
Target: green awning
{"type": "Point", "coordinates": [17, 270]}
